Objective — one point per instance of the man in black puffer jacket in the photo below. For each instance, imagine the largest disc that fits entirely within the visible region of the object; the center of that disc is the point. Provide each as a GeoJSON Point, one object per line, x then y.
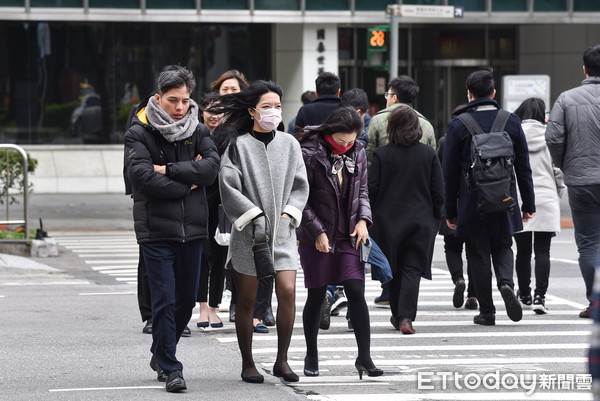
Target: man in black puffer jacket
{"type": "Point", "coordinates": [170, 158]}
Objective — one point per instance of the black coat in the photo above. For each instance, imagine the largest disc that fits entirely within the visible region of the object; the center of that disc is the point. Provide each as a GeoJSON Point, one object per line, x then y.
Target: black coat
{"type": "Point", "coordinates": [461, 203]}
{"type": "Point", "coordinates": [316, 112]}
{"type": "Point", "coordinates": [406, 191]}
{"type": "Point", "coordinates": [165, 207]}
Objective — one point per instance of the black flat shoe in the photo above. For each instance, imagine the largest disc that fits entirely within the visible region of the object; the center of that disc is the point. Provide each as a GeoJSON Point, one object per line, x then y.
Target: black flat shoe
{"type": "Point", "coordinates": [288, 376]}
{"type": "Point", "coordinates": [147, 327]}
{"type": "Point", "coordinates": [186, 332]}
{"type": "Point", "coordinates": [395, 322]}
{"type": "Point", "coordinates": [471, 303]}
{"type": "Point", "coordinates": [311, 366]}
{"type": "Point", "coordinates": [459, 293]}
{"type": "Point", "coordinates": [256, 378]}
{"type": "Point", "coordinates": [485, 320]}
{"type": "Point", "coordinates": [513, 307]}
{"type": "Point", "coordinates": [260, 328]}
{"type": "Point", "coordinates": [161, 376]}
{"type": "Point", "coordinates": [269, 319]}
{"type": "Point", "coordinates": [175, 382]}
{"type": "Point", "coordinates": [202, 325]}
{"type": "Point", "coordinates": [371, 372]}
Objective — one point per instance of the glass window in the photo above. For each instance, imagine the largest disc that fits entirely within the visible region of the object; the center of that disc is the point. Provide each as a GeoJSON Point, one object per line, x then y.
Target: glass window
{"type": "Point", "coordinates": [115, 3]}
{"type": "Point", "coordinates": [324, 5]}
{"type": "Point", "coordinates": [509, 5]}
{"type": "Point", "coordinates": [469, 5]}
{"type": "Point", "coordinates": [12, 3]}
{"type": "Point", "coordinates": [277, 4]}
{"type": "Point", "coordinates": [371, 5]}
{"type": "Point", "coordinates": [56, 3]}
{"type": "Point", "coordinates": [172, 4]}
{"type": "Point", "coordinates": [550, 5]}
{"type": "Point", "coordinates": [586, 5]}
{"type": "Point", "coordinates": [80, 86]}
{"type": "Point", "coordinates": [225, 5]}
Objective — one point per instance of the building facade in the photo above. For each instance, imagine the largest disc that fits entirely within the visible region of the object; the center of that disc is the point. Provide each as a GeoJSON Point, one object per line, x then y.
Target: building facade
{"type": "Point", "coordinates": [70, 70]}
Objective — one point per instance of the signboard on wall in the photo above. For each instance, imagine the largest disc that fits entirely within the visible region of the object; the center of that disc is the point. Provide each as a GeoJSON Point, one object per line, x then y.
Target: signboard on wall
{"type": "Point", "coordinates": [516, 88]}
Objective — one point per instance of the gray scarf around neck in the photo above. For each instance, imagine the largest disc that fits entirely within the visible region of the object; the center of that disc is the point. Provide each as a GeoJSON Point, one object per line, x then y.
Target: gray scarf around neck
{"type": "Point", "coordinates": [170, 129]}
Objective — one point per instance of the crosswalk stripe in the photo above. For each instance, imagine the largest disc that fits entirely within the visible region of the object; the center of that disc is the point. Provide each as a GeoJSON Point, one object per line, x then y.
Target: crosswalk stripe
{"type": "Point", "coordinates": [420, 335]}
{"type": "Point", "coordinates": [462, 396]}
{"type": "Point", "coordinates": [446, 361]}
{"type": "Point", "coordinates": [114, 267]}
{"type": "Point", "coordinates": [415, 348]}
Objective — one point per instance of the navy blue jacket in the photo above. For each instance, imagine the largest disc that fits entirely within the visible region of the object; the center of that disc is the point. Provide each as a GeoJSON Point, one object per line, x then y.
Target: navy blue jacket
{"type": "Point", "coordinates": [316, 112]}
{"type": "Point", "coordinates": [460, 203]}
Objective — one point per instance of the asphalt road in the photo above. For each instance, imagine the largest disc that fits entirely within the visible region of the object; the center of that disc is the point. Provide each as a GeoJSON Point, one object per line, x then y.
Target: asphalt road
{"type": "Point", "coordinates": [75, 334]}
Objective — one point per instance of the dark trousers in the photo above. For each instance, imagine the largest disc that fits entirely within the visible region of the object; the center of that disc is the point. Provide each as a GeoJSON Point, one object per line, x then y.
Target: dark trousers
{"type": "Point", "coordinates": [494, 244]}
{"type": "Point", "coordinates": [585, 208]}
{"type": "Point", "coordinates": [404, 292]}
{"type": "Point", "coordinates": [539, 243]}
{"type": "Point", "coordinates": [212, 274]}
{"type": "Point", "coordinates": [453, 247]}
{"type": "Point", "coordinates": [173, 270]}
{"type": "Point", "coordinates": [143, 290]}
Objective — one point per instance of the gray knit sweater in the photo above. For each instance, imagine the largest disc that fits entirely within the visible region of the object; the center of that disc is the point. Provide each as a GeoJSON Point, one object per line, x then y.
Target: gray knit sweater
{"type": "Point", "coordinates": [269, 180]}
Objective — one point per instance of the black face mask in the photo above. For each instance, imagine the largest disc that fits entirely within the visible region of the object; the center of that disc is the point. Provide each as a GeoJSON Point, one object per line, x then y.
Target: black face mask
{"type": "Point", "coordinates": [261, 248]}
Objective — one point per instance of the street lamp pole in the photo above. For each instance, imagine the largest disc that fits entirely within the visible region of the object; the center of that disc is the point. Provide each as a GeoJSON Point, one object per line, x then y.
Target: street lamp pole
{"type": "Point", "coordinates": [394, 12]}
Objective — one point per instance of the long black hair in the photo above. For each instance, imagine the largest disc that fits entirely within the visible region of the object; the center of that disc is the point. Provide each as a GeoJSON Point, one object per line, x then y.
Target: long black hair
{"type": "Point", "coordinates": [532, 109]}
{"type": "Point", "coordinates": [343, 119]}
{"type": "Point", "coordinates": [234, 107]}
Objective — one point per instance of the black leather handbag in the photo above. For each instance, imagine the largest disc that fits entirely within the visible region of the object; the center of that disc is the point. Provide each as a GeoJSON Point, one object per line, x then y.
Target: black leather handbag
{"type": "Point", "coordinates": [261, 248]}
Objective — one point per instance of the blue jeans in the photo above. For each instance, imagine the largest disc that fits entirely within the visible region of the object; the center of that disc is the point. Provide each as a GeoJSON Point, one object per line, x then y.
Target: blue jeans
{"type": "Point", "coordinates": [173, 273]}
{"type": "Point", "coordinates": [585, 207]}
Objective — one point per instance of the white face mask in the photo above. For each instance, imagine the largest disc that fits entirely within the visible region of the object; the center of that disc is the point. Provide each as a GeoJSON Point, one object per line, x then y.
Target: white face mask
{"type": "Point", "coordinates": [269, 119]}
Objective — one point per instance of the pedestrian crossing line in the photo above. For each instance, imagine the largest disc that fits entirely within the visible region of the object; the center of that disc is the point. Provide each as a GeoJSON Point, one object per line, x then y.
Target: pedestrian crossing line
{"type": "Point", "coordinates": [119, 271]}
{"type": "Point", "coordinates": [461, 396]}
{"type": "Point", "coordinates": [106, 293]}
{"type": "Point", "coordinates": [563, 301]}
{"type": "Point", "coordinates": [41, 283]}
{"type": "Point", "coordinates": [417, 348]}
{"type": "Point", "coordinates": [115, 267]}
{"type": "Point", "coordinates": [104, 255]}
{"type": "Point", "coordinates": [109, 262]}
{"type": "Point", "coordinates": [125, 278]}
{"type": "Point", "coordinates": [101, 248]}
{"type": "Point", "coordinates": [126, 274]}
{"type": "Point", "coordinates": [447, 304]}
{"type": "Point", "coordinates": [446, 361]}
{"type": "Point", "coordinates": [459, 312]}
{"type": "Point", "coordinates": [324, 336]}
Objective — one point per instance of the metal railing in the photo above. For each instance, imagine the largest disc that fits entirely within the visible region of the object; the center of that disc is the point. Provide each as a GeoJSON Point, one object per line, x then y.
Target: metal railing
{"type": "Point", "coordinates": [25, 164]}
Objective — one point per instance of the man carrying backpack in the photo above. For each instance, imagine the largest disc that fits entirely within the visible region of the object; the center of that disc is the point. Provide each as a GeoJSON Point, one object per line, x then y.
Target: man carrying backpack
{"type": "Point", "coordinates": [485, 150]}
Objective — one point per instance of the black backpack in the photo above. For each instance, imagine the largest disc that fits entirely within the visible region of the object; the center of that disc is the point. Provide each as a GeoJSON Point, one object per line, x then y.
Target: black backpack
{"type": "Point", "coordinates": [490, 175]}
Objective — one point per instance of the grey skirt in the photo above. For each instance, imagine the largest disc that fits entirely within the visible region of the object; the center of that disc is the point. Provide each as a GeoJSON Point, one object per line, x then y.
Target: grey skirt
{"type": "Point", "coordinates": [285, 247]}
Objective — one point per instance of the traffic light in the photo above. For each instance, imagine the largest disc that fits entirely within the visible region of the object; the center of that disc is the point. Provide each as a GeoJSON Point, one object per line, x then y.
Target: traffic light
{"type": "Point", "coordinates": [377, 46]}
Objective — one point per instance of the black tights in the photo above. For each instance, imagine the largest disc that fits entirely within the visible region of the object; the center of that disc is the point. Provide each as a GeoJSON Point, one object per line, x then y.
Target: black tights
{"type": "Point", "coordinates": [285, 290]}
{"type": "Point", "coordinates": [359, 317]}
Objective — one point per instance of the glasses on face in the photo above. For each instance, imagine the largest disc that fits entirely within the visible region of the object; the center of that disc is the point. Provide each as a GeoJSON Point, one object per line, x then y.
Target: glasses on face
{"type": "Point", "coordinates": [388, 94]}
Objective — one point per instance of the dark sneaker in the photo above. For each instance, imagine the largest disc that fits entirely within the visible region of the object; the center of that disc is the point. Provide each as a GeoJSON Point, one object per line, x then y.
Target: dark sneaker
{"type": "Point", "coordinates": [586, 313]}
{"type": "Point", "coordinates": [471, 303]}
{"type": "Point", "coordinates": [384, 298]}
{"type": "Point", "coordinates": [325, 321]}
{"type": "Point", "coordinates": [175, 382]}
{"type": "Point", "coordinates": [539, 305]}
{"type": "Point", "coordinates": [485, 320]}
{"type": "Point", "coordinates": [513, 307]}
{"type": "Point", "coordinates": [186, 332]}
{"type": "Point", "coordinates": [161, 376]}
{"type": "Point", "coordinates": [147, 327]}
{"type": "Point", "coordinates": [339, 302]}
{"type": "Point", "coordinates": [459, 293]}
{"type": "Point", "coordinates": [524, 298]}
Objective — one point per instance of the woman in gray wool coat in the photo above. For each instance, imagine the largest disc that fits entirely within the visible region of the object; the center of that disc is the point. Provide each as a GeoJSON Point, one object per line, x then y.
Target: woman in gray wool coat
{"type": "Point", "coordinates": [263, 187]}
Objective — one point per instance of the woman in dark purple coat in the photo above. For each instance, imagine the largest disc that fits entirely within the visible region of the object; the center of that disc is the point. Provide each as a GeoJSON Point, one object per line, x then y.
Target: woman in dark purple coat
{"type": "Point", "coordinates": [334, 225]}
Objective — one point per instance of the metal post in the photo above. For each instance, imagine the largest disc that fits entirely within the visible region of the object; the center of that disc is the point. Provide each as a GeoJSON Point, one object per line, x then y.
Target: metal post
{"type": "Point", "coordinates": [303, 7]}
{"type": "Point", "coordinates": [352, 5]}
{"type": "Point", "coordinates": [143, 6]}
{"type": "Point", "coordinates": [251, 6]}
{"type": "Point", "coordinates": [394, 40]}
{"type": "Point", "coordinates": [86, 6]}
{"type": "Point", "coordinates": [570, 7]}
{"type": "Point", "coordinates": [530, 7]}
{"type": "Point", "coordinates": [198, 7]}
{"type": "Point", "coordinates": [27, 6]}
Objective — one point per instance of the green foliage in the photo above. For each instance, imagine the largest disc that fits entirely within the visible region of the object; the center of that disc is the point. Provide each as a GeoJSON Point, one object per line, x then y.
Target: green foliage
{"type": "Point", "coordinates": [11, 175]}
